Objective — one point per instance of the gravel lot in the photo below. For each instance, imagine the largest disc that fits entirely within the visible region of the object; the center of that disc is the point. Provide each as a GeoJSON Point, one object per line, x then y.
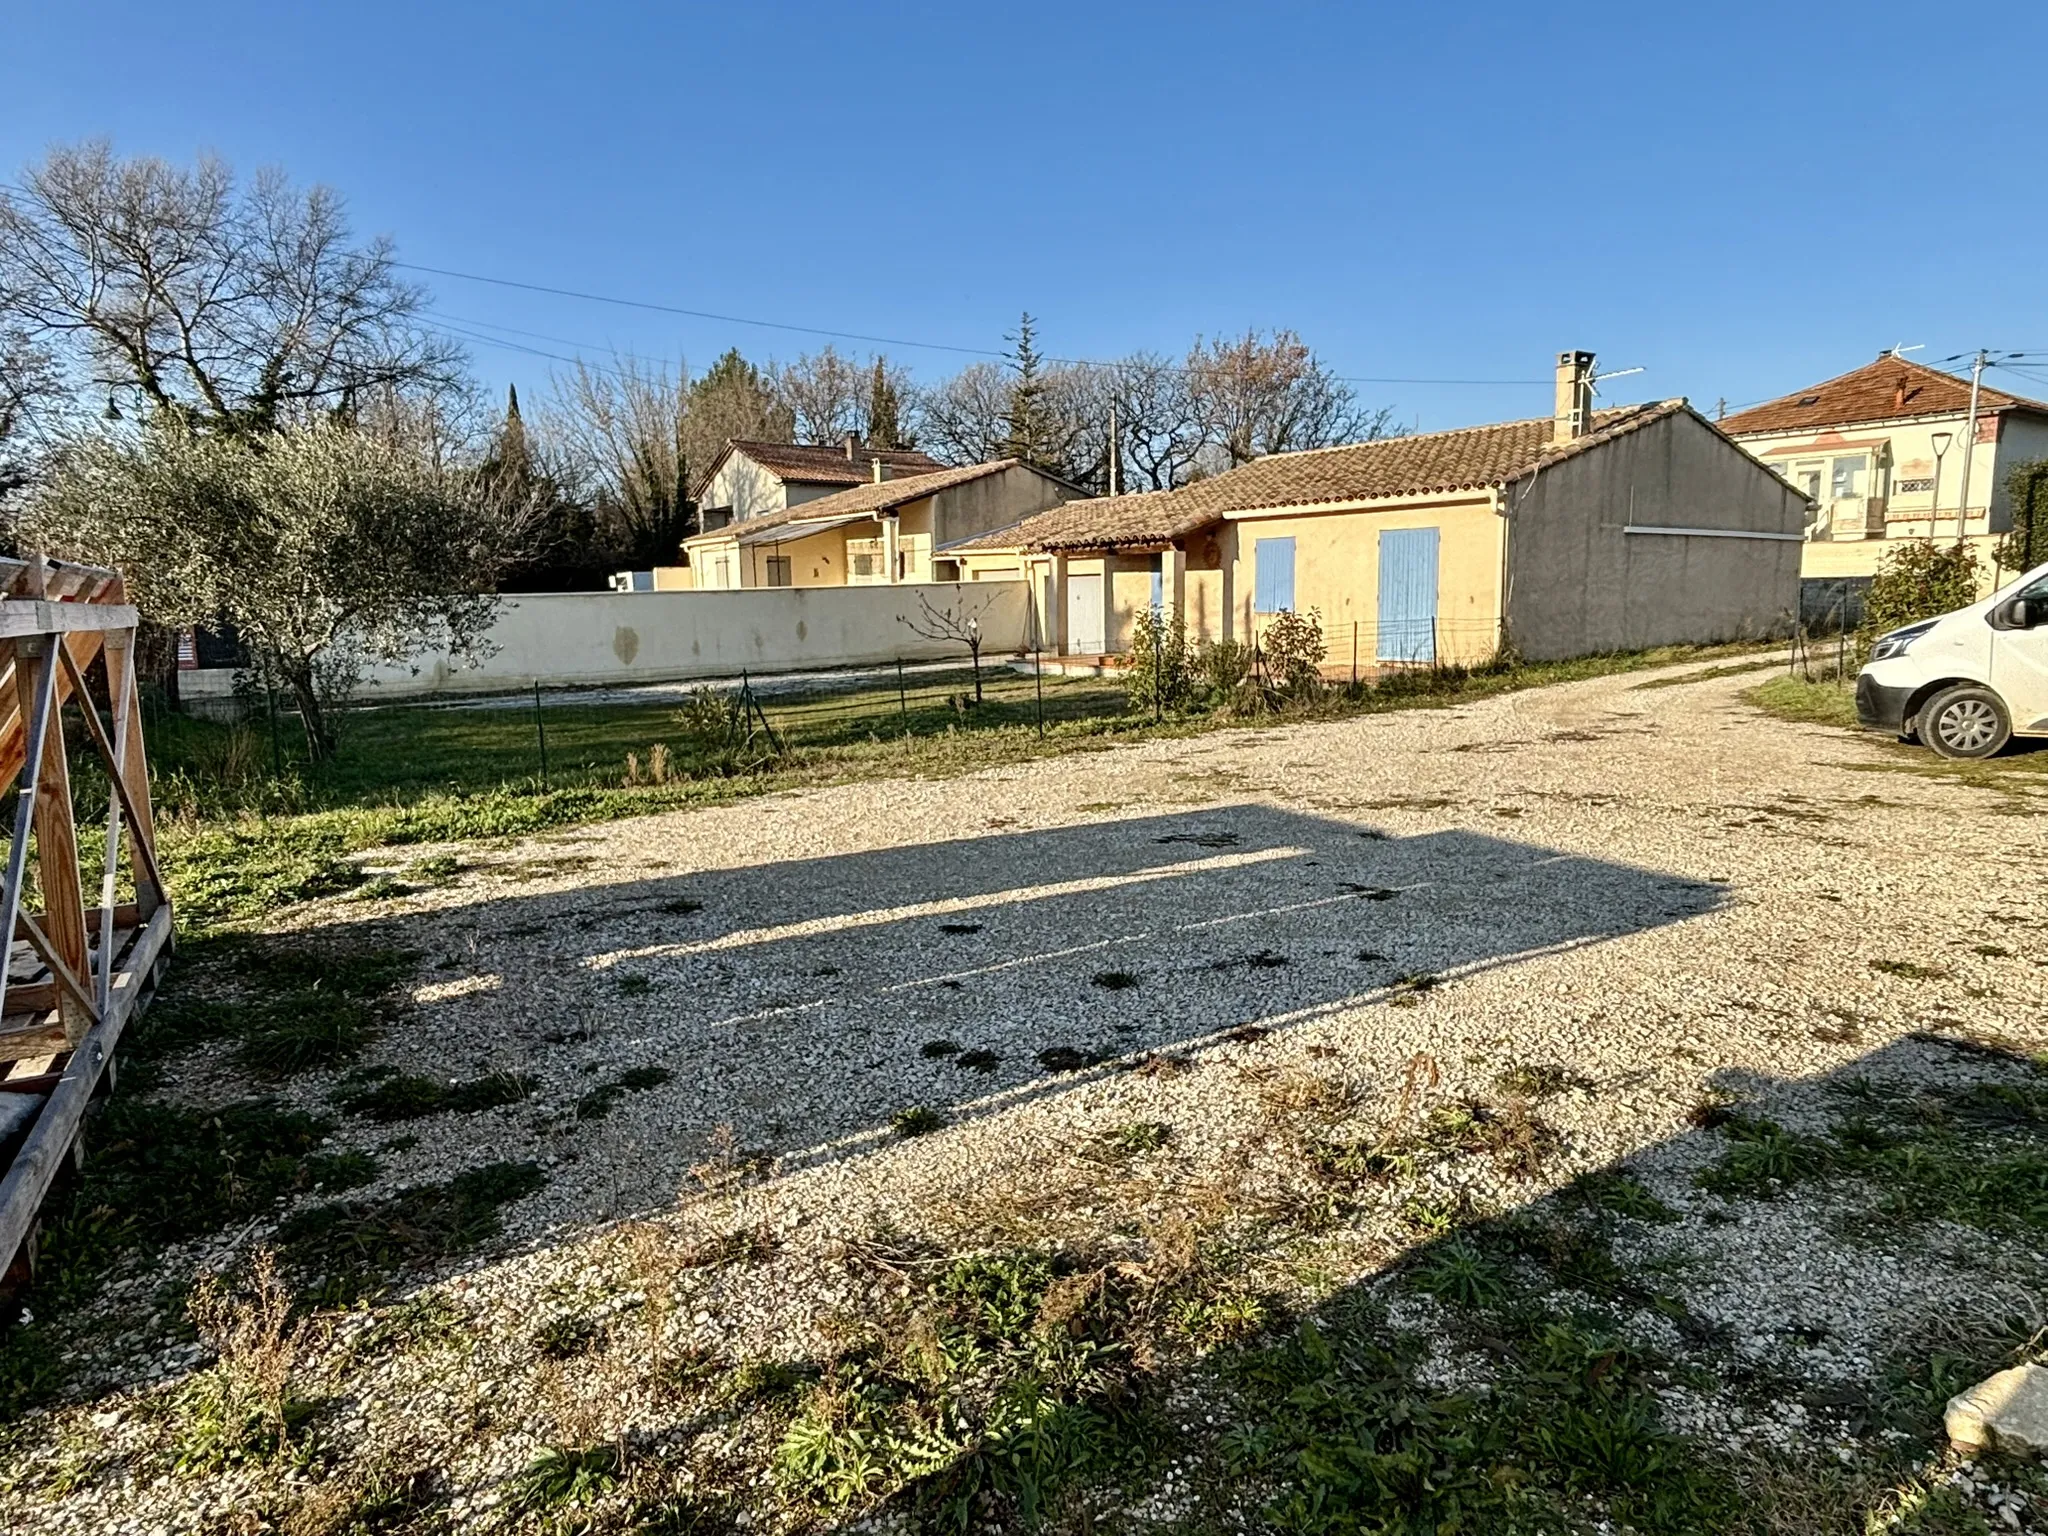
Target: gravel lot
{"type": "Point", "coordinates": [1656, 890]}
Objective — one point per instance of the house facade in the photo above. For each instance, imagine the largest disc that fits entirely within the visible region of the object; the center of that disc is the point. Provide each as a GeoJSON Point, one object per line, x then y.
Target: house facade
{"type": "Point", "coordinates": [756, 479]}
{"type": "Point", "coordinates": [1587, 531]}
{"type": "Point", "coordinates": [1883, 453]}
{"type": "Point", "coordinates": [885, 532]}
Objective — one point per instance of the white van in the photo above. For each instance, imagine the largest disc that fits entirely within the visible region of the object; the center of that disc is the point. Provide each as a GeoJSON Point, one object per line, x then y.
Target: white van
{"type": "Point", "coordinates": [1967, 682]}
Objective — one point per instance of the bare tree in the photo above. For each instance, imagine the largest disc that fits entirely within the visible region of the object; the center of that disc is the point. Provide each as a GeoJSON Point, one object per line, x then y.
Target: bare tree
{"type": "Point", "coordinates": [28, 390]}
{"type": "Point", "coordinates": [826, 393]}
{"type": "Point", "coordinates": [620, 435]}
{"type": "Point", "coordinates": [958, 622]}
{"type": "Point", "coordinates": [1160, 426]}
{"type": "Point", "coordinates": [232, 307]}
{"type": "Point", "coordinates": [1259, 395]}
{"type": "Point", "coordinates": [966, 419]}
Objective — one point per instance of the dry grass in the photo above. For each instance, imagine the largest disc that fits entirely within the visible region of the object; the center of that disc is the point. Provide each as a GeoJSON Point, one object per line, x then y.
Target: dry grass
{"type": "Point", "coordinates": [259, 1342]}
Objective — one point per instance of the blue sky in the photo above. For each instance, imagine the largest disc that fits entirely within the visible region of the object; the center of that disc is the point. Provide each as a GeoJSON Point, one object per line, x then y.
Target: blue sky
{"type": "Point", "coordinates": [1740, 198]}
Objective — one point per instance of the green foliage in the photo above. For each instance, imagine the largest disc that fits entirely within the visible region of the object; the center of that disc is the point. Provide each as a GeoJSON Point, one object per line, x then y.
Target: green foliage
{"type": "Point", "coordinates": [1918, 580]}
{"type": "Point", "coordinates": [1460, 1274]}
{"type": "Point", "coordinates": [323, 546]}
{"type": "Point", "coordinates": [1335, 1420]}
{"type": "Point", "coordinates": [2027, 545]}
{"type": "Point", "coordinates": [223, 1421]}
{"type": "Point", "coordinates": [567, 1476]}
{"type": "Point", "coordinates": [1222, 666]}
{"type": "Point", "coordinates": [349, 1249]}
{"type": "Point", "coordinates": [917, 1120]}
{"type": "Point", "coordinates": [1159, 669]}
{"type": "Point", "coordinates": [1293, 649]}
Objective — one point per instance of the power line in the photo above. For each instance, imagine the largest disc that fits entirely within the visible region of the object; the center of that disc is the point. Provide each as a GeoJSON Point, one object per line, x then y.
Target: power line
{"type": "Point", "coordinates": [887, 341]}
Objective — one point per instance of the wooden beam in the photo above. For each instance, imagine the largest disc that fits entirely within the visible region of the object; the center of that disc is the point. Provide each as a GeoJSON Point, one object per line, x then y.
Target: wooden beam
{"type": "Point", "coordinates": [20, 617]}
{"type": "Point", "coordinates": [115, 755]}
{"type": "Point", "coordinates": [61, 938]}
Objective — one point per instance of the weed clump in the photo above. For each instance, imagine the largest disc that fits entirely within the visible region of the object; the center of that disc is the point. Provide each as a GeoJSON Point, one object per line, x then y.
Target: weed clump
{"type": "Point", "coordinates": [917, 1120]}
{"type": "Point", "coordinates": [601, 1100]}
{"type": "Point", "coordinates": [246, 1407]}
{"type": "Point", "coordinates": [403, 1096]}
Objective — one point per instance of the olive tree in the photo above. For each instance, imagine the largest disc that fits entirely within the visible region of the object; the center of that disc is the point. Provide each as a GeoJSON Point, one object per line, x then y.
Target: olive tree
{"type": "Point", "coordinates": [323, 547]}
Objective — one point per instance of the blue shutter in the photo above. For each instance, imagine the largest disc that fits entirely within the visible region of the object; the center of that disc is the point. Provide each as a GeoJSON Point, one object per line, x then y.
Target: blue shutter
{"type": "Point", "coordinates": [1273, 576]}
{"type": "Point", "coordinates": [1407, 628]}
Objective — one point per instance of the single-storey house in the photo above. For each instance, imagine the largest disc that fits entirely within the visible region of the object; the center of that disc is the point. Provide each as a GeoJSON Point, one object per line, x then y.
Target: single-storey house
{"type": "Point", "coordinates": [879, 533]}
{"type": "Point", "coordinates": [750, 478]}
{"type": "Point", "coordinates": [1590, 530]}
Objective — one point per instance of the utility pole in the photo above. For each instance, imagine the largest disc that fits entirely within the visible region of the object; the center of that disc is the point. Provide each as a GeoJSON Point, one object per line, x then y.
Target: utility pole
{"type": "Point", "coordinates": [1115, 478]}
{"type": "Point", "coordinates": [1721, 409]}
{"type": "Point", "coordinates": [1969, 445]}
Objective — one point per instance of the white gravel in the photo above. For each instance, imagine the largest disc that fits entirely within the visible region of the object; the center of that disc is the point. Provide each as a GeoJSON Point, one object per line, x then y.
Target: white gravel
{"type": "Point", "coordinates": [1658, 889]}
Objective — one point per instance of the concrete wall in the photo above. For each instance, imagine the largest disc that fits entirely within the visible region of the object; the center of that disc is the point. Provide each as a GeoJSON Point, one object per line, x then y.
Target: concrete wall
{"type": "Point", "coordinates": [623, 638]}
{"type": "Point", "coordinates": [1579, 585]}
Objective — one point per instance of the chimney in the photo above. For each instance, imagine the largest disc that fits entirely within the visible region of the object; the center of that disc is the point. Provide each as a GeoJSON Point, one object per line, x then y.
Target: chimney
{"type": "Point", "coordinates": [1899, 396]}
{"type": "Point", "coordinates": [852, 447]}
{"type": "Point", "coordinates": [881, 470]}
{"type": "Point", "coordinates": [1574, 413]}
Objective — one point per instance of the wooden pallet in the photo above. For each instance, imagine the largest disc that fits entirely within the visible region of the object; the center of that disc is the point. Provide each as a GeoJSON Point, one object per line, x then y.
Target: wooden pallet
{"type": "Point", "coordinates": [74, 975]}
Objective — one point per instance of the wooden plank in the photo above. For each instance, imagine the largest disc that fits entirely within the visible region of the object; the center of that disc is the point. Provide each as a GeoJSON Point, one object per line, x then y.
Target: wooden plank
{"type": "Point", "coordinates": [23, 1035]}
{"type": "Point", "coordinates": [64, 948]}
{"type": "Point", "coordinates": [19, 617]}
{"type": "Point", "coordinates": [81, 648]}
{"type": "Point", "coordinates": [150, 890]}
{"type": "Point", "coordinates": [114, 753]}
{"type": "Point", "coordinates": [127, 914]}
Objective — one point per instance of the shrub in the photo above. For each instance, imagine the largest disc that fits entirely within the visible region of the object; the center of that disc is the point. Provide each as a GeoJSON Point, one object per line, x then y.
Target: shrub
{"type": "Point", "coordinates": [1918, 580]}
{"type": "Point", "coordinates": [1159, 670]}
{"type": "Point", "coordinates": [714, 723]}
{"type": "Point", "coordinates": [1223, 666]}
{"type": "Point", "coordinates": [2027, 545]}
{"type": "Point", "coordinates": [1294, 651]}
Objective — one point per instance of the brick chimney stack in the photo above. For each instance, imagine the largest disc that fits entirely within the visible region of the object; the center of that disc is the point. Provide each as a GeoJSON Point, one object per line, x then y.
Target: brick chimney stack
{"type": "Point", "coordinates": [1573, 416]}
{"type": "Point", "coordinates": [852, 447]}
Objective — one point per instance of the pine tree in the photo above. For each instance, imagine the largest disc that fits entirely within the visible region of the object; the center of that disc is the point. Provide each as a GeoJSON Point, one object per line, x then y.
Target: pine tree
{"type": "Point", "coordinates": [1029, 436]}
{"type": "Point", "coordinates": [885, 410]}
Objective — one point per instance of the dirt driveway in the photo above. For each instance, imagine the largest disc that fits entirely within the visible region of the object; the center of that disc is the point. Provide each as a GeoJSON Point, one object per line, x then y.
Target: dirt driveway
{"type": "Point", "coordinates": [906, 1017]}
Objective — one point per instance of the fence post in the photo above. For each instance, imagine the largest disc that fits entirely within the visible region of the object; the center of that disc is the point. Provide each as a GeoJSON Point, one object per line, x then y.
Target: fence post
{"type": "Point", "coordinates": [1158, 682]}
{"type": "Point", "coordinates": [902, 698]}
{"type": "Point", "coordinates": [1038, 684]}
{"type": "Point", "coordinates": [540, 729]}
{"type": "Point", "coordinates": [1354, 653]}
{"type": "Point", "coordinates": [276, 741]}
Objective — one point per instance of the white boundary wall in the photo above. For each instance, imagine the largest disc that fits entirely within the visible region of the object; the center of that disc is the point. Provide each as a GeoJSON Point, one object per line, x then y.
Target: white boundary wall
{"type": "Point", "coordinates": [569, 639]}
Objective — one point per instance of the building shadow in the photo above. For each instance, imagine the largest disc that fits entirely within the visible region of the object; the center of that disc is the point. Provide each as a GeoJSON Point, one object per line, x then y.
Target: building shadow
{"type": "Point", "coordinates": [800, 1008]}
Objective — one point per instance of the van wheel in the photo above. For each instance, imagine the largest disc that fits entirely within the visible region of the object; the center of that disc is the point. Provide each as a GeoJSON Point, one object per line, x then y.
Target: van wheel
{"type": "Point", "coordinates": [1965, 721]}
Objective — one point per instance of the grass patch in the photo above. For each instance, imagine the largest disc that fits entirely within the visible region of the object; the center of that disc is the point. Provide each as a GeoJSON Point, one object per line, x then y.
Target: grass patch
{"type": "Point", "coordinates": [403, 1096]}
{"type": "Point", "coordinates": [1792, 698]}
{"type": "Point", "coordinates": [349, 1250]}
{"type": "Point", "coordinates": [917, 1120]}
{"type": "Point", "coordinates": [603, 1099]}
{"type": "Point", "coordinates": [286, 1008]}
{"type": "Point", "coordinates": [565, 1477]}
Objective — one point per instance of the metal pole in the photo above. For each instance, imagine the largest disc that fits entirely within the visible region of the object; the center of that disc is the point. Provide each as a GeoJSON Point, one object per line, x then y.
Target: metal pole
{"type": "Point", "coordinates": [276, 741]}
{"type": "Point", "coordinates": [1038, 683]}
{"type": "Point", "coordinates": [1158, 682]}
{"type": "Point", "coordinates": [902, 698]}
{"type": "Point", "coordinates": [1354, 653]}
{"type": "Point", "coordinates": [1969, 446]}
{"type": "Point", "coordinates": [540, 728]}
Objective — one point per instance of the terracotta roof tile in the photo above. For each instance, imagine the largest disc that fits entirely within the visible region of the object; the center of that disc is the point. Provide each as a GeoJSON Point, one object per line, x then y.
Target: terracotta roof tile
{"type": "Point", "coordinates": [1886, 390]}
{"type": "Point", "coordinates": [825, 463]}
{"type": "Point", "coordinates": [1429, 463]}
{"type": "Point", "coordinates": [871, 498]}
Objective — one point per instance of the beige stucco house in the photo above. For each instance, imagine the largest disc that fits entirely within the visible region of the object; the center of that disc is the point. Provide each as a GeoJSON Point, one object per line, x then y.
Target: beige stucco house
{"type": "Point", "coordinates": [753, 479]}
{"type": "Point", "coordinates": [1586, 531]}
{"type": "Point", "coordinates": [886, 531]}
{"type": "Point", "coordinates": [1881, 451]}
